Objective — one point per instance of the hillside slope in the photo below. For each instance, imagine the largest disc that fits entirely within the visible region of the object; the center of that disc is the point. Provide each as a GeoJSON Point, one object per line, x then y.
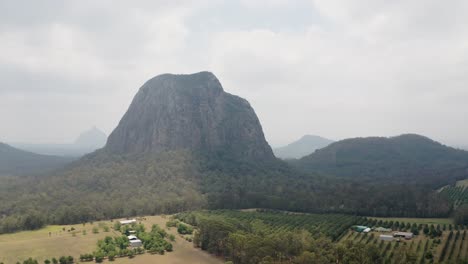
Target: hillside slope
{"type": "Point", "coordinates": [407, 158]}
{"type": "Point", "coordinates": [302, 147]}
{"type": "Point", "coordinates": [14, 161]}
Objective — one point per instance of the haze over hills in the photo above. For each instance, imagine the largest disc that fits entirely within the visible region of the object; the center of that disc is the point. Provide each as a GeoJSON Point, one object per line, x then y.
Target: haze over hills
{"type": "Point", "coordinates": [14, 161]}
{"type": "Point", "coordinates": [302, 147]}
{"type": "Point", "coordinates": [91, 139]}
{"type": "Point", "coordinates": [87, 142]}
{"type": "Point", "coordinates": [185, 144]}
{"type": "Point", "coordinates": [407, 158]}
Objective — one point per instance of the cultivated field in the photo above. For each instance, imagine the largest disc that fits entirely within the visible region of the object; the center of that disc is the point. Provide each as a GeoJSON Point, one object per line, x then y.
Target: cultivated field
{"type": "Point", "coordinates": [447, 248]}
{"type": "Point", "coordinates": [54, 241]}
{"type": "Point", "coordinates": [429, 221]}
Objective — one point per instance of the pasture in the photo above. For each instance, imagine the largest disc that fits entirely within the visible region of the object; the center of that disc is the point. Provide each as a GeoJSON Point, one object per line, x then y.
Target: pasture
{"type": "Point", "coordinates": [56, 241]}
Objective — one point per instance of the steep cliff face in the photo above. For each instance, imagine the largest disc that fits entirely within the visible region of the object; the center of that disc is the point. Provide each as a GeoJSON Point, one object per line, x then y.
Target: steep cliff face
{"type": "Point", "coordinates": [189, 112]}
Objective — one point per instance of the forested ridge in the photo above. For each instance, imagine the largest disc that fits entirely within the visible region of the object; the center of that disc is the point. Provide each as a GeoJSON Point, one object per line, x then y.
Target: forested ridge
{"type": "Point", "coordinates": [18, 162]}
{"type": "Point", "coordinates": [405, 159]}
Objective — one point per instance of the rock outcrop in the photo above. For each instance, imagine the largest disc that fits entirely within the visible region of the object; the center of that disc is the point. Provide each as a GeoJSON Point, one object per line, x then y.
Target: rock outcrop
{"type": "Point", "coordinates": [189, 112]}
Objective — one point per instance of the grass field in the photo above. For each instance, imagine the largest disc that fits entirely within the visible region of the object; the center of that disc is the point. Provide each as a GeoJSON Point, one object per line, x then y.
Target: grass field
{"type": "Point", "coordinates": [53, 241]}
{"type": "Point", "coordinates": [428, 221]}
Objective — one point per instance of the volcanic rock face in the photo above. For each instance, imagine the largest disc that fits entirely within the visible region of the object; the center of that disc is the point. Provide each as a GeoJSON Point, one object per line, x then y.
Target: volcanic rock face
{"type": "Point", "coordinates": [189, 112]}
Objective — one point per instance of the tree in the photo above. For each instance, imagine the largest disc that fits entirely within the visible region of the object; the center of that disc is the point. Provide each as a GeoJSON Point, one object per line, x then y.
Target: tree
{"type": "Point", "coordinates": [461, 215]}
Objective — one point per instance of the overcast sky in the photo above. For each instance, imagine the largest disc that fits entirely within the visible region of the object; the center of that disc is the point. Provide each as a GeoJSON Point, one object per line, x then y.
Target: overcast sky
{"type": "Point", "coordinates": [327, 67]}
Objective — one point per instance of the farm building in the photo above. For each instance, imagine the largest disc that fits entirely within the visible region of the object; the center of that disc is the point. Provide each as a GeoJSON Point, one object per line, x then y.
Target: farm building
{"type": "Point", "coordinates": [128, 222]}
{"type": "Point", "coordinates": [134, 241]}
{"type": "Point", "coordinates": [383, 229]}
{"type": "Point", "coordinates": [361, 229]}
{"type": "Point", "coordinates": [406, 235]}
{"type": "Point", "coordinates": [386, 237]}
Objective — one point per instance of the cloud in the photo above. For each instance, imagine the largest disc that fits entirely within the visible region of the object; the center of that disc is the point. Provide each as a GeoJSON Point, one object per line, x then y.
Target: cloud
{"type": "Point", "coordinates": [329, 67]}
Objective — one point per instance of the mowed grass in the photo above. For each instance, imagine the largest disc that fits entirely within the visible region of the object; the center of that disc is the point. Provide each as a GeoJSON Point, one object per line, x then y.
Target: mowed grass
{"type": "Point", "coordinates": [53, 241]}
{"type": "Point", "coordinates": [428, 221]}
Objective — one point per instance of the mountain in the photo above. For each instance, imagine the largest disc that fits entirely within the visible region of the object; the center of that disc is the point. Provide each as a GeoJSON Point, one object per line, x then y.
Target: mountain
{"type": "Point", "coordinates": [14, 161]}
{"type": "Point", "coordinates": [406, 158]}
{"type": "Point", "coordinates": [302, 147]}
{"type": "Point", "coordinates": [87, 142]}
{"type": "Point", "coordinates": [91, 139]}
{"type": "Point", "coordinates": [189, 112]}
{"type": "Point", "coordinates": [183, 144]}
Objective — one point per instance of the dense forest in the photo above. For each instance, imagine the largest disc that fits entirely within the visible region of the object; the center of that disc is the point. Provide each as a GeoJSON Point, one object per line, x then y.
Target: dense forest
{"type": "Point", "coordinates": [102, 186]}
{"type": "Point", "coordinates": [405, 159]}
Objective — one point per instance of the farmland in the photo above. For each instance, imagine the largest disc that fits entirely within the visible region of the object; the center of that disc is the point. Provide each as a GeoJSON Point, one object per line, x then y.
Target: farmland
{"type": "Point", "coordinates": [331, 225]}
{"type": "Point", "coordinates": [436, 240]}
{"type": "Point", "coordinates": [457, 194]}
{"type": "Point", "coordinates": [83, 239]}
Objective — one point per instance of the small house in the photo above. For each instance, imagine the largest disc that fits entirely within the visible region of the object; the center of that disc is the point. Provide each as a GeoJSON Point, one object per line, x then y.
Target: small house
{"type": "Point", "coordinates": [128, 222]}
{"type": "Point", "coordinates": [406, 235]}
{"type": "Point", "coordinates": [134, 241]}
{"type": "Point", "coordinates": [386, 237]}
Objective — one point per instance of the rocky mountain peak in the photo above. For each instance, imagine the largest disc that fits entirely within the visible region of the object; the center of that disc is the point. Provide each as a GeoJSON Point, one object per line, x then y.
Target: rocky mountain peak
{"type": "Point", "coordinates": [189, 112]}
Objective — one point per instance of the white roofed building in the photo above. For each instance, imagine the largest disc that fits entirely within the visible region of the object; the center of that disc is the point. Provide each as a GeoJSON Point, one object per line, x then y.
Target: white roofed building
{"type": "Point", "coordinates": [128, 222]}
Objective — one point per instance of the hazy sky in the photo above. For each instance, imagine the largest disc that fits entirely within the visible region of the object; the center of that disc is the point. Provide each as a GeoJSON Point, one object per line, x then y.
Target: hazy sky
{"type": "Point", "coordinates": [332, 68]}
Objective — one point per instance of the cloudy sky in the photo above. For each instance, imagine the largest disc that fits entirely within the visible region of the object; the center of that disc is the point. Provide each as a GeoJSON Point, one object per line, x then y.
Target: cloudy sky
{"type": "Point", "coordinates": [328, 67]}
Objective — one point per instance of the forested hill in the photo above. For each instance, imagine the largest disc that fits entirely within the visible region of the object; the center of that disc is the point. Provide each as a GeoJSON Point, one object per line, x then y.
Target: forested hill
{"type": "Point", "coordinates": [14, 161]}
{"type": "Point", "coordinates": [302, 147]}
{"type": "Point", "coordinates": [407, 158]}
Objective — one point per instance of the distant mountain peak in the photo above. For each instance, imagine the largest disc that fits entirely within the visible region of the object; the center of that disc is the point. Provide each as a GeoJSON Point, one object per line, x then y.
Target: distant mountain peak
{"type": "Point", "coordinates": [306, 145]}
{"type": "Point", "coordinates": [92, 138]}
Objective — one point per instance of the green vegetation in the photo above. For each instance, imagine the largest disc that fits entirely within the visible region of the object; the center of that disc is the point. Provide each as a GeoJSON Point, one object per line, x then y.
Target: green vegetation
{"type": "Point", "coordinates": [278, 237]}
{"type": "Point", "coordinates": [184, 229]}
{"type": "Point", "coordinates": [330, 225]}
{"type": "Point", "coordinates": [97, 187]}
{"type": "Point", "coordinates": [458, 195]}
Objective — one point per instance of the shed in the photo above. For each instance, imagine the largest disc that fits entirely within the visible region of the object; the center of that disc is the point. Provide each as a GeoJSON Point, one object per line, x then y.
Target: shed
{"type": "Point", "coordinates": [406, 235]}
{"type": "Point", "coordinates": [132, 237]}
{"type": "Point", "coordinates": [359, 228]}
{"type": "Point", "coordinates": [367, 230]}
{"type": "Point", "coordinates": [386, 237]}
{"type": "Point", "coordinates": [128, 222]}
{"type": "Point", "coordinates": [136, 243]}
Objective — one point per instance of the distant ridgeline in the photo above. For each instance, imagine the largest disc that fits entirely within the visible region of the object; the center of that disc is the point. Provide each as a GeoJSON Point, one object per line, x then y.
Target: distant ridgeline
{"type": "Point", "coordinates": [185, 144]}
{"type": "Point", "coordinates": [16, 162]}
